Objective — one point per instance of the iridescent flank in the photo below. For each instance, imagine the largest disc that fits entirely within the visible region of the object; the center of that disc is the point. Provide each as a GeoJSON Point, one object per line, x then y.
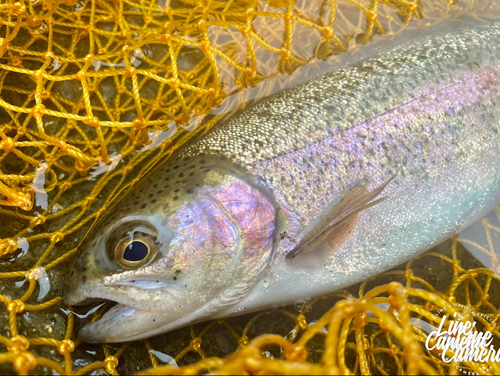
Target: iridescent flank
{"type": "Point", "coordinates": [226, 213]}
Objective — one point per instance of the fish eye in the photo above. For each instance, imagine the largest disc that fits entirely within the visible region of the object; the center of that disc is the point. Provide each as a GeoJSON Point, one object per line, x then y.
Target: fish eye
{"type": "Point", "coordinates": [133, 244]}
{"type": "Point", "coordinates": [136, 251]}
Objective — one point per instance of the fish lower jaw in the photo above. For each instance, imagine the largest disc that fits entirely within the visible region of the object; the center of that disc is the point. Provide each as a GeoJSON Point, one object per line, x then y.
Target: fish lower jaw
{"type": "Point", "coordinates": [123, 323]}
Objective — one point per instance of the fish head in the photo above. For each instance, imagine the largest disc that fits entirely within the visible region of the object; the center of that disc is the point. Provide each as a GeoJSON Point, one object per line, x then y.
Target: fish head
{"type": "Point", "coordinates": [173, 256]}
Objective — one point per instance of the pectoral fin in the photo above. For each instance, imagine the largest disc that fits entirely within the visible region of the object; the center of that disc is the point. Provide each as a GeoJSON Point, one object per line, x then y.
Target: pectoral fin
{"type": "Point", "coordinates": [337, 220]}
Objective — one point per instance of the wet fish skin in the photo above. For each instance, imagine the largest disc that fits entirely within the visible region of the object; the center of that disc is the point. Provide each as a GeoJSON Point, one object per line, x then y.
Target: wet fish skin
{"type": "Point", "coordinates": [426, 111]}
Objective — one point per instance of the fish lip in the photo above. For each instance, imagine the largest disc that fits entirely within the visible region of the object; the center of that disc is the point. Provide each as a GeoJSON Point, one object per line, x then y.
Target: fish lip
{"type": "Point", "coordinates": [99, 331]}
{"type": "Point", "coordinates": [116, 325]}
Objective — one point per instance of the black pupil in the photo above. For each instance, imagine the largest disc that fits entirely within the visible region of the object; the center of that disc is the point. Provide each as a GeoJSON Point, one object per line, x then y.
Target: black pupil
{"type": "Point", "coordinates": [135, 251]}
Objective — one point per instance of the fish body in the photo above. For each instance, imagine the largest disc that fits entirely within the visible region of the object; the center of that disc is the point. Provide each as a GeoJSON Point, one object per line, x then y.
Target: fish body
{"type": "Point", "coordinates": [211, 234]}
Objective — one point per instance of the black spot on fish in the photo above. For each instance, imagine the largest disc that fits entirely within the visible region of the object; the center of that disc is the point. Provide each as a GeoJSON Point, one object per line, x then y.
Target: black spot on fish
{"type": "Point", "coordinates": [84, 278]}
{"type": "Point", "coordinates": [191, 174]}
{"type": "Point", "coordinates": [154, 320]}
{"type": "Point", "coordinates": [153, 201]}
{"type": "Point", "coordinates": [189, 191]}
{"type": "Point", "coordinates": [223, 157]}
{"type": "Point", "coordinates": [143, 206]}
{"type": "Point", "coordinates": [175, 278]}
{"type": "Point", "coordinates": [166, 186]}
{"type": "Point", "coordinates": [150, 195]}
{"type": "Point", "coordinates": [192, 166]}
{"type": "Point", "coordinates": [176, 167]}
{"type": "Point", "coordinates": [84, 269]}
{"type": "Point", "coordinates": [181, 175]}
{"type": "Point", "coordinates": [176, 198]}
{"type": "Point", "coordinates": [167, 178]}
{"type": "Point", "coordinates": [203, 161]}
{"type": "Point", "coordinates": [167, 170]}
{"type": "Point", "coordinates": [165, 207]}
{"type": "Point", "coordinates": [159, 192]}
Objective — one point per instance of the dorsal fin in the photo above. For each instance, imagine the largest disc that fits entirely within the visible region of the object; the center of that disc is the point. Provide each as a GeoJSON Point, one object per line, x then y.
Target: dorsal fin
{"type": "Point", "coordinates": [338, 213]}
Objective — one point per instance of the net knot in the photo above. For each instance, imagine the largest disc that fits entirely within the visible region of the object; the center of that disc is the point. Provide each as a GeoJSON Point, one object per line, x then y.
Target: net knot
{"type": "Point", "coordinates": [371, 16]}
{"type": "Point", "coordinates": [66, 346]}
{"type": "Point", "coordinates": [196, 343]}
{"type": "Point", "coordinates": [45, 95]}
{"type": "Point", "coordinates": [245, 29]}
{"type": "Point", "coordinates": [139, 123]}
{"type": "Point", "coordinates": [289, 16]}
{"type": "Point", "coordinates": [15, 306]}
{"type": "Point", "coordinates": [24, 363]}
{"type": "Point", "coordinates": [456, 266]}
{"type": "Point", "coordinates": [174, 83]}
{"type": "Point", "coordinates": [327, 32]}
{"type": "Point", "coordinates": [121, 89]}
{"type": "Point", "coordinates": [38, 220]}
{"type": "Point", "coordinates": [80, 76]}
{"type": "Point", "coordinates": [38, 74]}
{"type": "Point", "coordinates": [8, 245]}
{"type": "Point", "coordinates": [87, 203]}
{"type": "Point", "coordinates": [65, 185]}
{"type": "Point", "coordinates": [212, 92]}
{"type": "Point", "coordinates": [205, 45]}
{"type": "Point", "coordinates": [394, 350]}
{"type": "Point", "coordinates": [35, 273]}
{"type": "Point", "coordinates": [243, 341]}
{"type": "Point", "coordinates": [57, 237]}
{"type": "Point", "coordinates": [18, 344]}
{"type": "Point", "coordinates": [285, 53]}
{"type": "Point", "coordinates": [38, 110]}
{"type": "Point", "coordinates": [93, 121]}
{"type": "Point", "coordinates": [111, 363]}
{"type": "Point", "coordinates": [19, 8]}
{"type": "Point", "coordinates": [130, 72]}
{"type": "Point", "coordinates": [301, 322]}
{"type": "Point", "coordinates": [250, 12]}
{"type": "Point", "coordinates": [49, 55]}
{"type": "Point", "coordinates": [8, 144]}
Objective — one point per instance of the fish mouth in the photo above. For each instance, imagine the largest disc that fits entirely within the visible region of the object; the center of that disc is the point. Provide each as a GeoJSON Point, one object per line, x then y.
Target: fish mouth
{"type": "Point", "coordinates": [128, 320]}
{"type": "Point", "coordinates": [116, 325]}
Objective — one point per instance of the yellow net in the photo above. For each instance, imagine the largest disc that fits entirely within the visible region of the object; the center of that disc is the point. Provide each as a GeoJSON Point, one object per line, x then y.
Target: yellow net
{"type": "Point", "coordinates": [95, 93]}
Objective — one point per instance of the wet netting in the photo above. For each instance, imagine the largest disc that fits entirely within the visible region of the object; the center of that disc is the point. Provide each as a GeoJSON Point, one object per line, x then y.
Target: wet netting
{"type": "Point", "coordinates": [95, 93]}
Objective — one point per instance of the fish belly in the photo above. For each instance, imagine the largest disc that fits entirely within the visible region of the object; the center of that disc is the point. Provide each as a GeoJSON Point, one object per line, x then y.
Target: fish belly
{"type": "Point", "coordinates": [426, 111]}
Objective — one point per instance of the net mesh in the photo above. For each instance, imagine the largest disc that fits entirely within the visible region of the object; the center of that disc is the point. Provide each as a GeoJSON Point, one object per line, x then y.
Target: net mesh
{"type": "Point", "coordinates": [95, 93]}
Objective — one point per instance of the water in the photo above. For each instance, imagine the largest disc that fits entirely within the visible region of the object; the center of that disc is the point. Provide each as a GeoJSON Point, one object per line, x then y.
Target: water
{"type": "Point", "coordinates": [32, 230]}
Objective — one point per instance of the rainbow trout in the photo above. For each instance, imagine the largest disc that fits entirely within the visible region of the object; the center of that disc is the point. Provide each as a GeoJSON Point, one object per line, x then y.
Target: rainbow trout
{"type": "Point", "coordinates": [306, 191]}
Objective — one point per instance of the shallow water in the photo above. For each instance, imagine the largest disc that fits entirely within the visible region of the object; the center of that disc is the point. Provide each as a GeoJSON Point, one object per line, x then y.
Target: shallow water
{"type": "Point", "coordinates": [46, 183]}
